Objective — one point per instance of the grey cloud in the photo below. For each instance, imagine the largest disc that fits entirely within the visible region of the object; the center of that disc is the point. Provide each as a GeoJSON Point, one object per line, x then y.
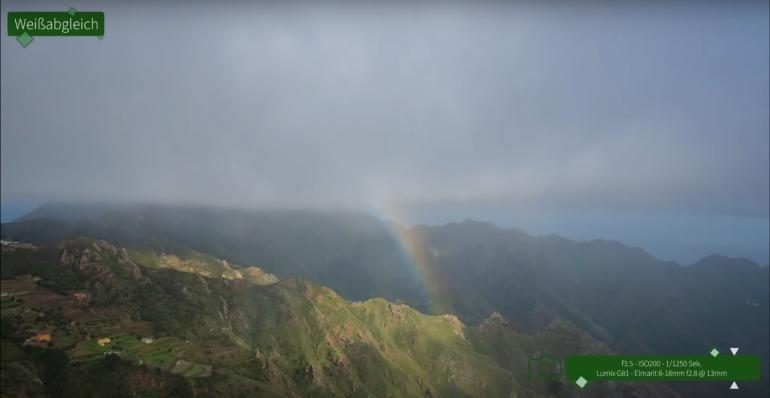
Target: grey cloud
{"type": "Point", "coordinates": [629, 108]}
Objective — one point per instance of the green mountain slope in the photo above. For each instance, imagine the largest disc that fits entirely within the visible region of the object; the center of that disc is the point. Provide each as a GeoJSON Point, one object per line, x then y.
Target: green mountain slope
{"type": "Point", "coordinates": [346, 251]}
{"type": "Point", "coordinates": [187, 260]}
{"type": "Point", "coordinates": [218, 336]}
{"type": "Point", "coordinates": [619, 295]}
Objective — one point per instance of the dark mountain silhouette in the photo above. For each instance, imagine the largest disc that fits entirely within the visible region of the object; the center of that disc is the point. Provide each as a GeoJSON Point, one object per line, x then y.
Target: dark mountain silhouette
{"type": "Point", "coordinates": [620, 296]}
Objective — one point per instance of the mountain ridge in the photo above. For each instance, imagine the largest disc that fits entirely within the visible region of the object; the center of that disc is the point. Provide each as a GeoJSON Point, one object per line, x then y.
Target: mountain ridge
{"type": "Point", "coordinates": [289, 338]}
{"type": "Point", "coordinates": [621, 296]}
{"type": "Point", "coordinates": [75, 211]}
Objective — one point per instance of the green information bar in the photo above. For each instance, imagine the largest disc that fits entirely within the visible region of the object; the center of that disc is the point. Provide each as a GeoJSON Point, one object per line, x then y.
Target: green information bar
{"type": "Point", "coordinates": [663, 367]}
{"type": "Point", "coordinates": [48, 23]}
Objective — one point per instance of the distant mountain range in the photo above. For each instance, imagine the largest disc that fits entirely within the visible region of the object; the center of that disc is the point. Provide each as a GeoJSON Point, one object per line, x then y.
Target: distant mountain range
{"type": "Point", "coordinates": [609, 297]}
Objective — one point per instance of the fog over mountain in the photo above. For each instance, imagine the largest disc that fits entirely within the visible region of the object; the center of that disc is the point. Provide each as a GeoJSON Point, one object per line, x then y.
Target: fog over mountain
{"type": "Point", "coordinates": [647, 124]}
{"type": "Point", "coordinates": [521, 294]}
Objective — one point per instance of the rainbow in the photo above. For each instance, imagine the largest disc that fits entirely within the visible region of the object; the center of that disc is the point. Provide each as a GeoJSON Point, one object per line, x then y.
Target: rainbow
{"type": "Point", "coordinates": [417, 256]}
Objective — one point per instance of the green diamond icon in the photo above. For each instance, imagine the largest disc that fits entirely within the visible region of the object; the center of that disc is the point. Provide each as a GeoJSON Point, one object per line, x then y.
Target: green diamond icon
{"type": "Point", "coordinates": [714, 352]}
{"type": "Point", "coordinates": [24, 39]}
{"type": "Point", "coordinates": [72, 11]}
{"type": "Point", "coordinates": [581, 382]}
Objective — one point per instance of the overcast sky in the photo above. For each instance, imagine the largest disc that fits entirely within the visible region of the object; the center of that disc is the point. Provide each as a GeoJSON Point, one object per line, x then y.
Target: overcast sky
{"type": "Point", "coordinates": [644, 124]}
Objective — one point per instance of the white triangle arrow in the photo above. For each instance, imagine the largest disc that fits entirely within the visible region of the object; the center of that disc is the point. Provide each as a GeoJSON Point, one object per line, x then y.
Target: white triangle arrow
{"type": "Point", "coordinates": [734, 386]}
{"type": "Point", "coordinates": [734, 350]}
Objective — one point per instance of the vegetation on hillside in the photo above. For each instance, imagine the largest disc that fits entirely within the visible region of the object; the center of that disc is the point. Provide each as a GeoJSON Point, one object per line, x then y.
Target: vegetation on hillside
{"type": "Point", "coordinates": [150, 330]}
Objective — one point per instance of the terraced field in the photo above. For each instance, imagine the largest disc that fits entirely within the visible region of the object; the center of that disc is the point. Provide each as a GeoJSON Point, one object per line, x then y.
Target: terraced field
{"type": "Point", "coordinates": [80, 325]}
{"type": "Point", "coordinates": [166, 353]}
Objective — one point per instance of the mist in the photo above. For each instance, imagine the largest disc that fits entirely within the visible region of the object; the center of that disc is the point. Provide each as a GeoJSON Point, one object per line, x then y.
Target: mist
{"type": "Point", "coordinates": [647, 124]}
